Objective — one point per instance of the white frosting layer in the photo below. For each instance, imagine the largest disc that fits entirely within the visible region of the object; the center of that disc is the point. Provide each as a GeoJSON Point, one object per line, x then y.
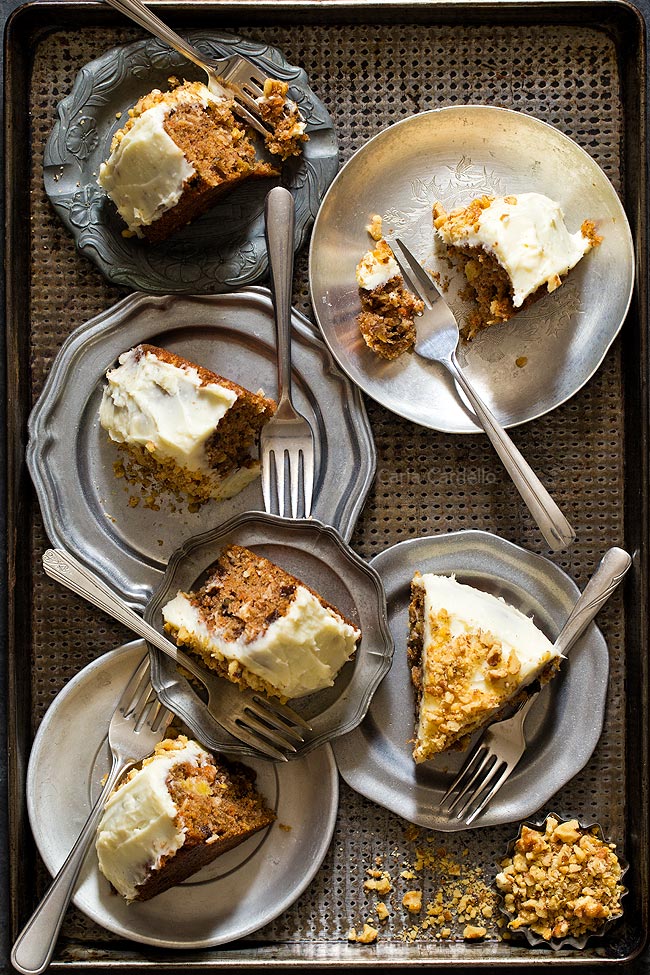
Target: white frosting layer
{"type": "Point", "coordinates": [146, 172]}
{"type": "Point", "coordinates": [529, 239]}
{"type": "Point", "coordinates": [163, 407]}
{"type": "Point", "coordinates": [377, 267]}
{"type": "Point", "coordinates": [299, 652]}
{"type": "Point", "coordinates": [138, 827]}
{"type": "Point", "coordinates": [472, 609]}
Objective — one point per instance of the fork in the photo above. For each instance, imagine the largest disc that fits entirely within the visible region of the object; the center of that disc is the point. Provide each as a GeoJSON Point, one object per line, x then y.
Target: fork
{"type": "Point", "coordinates": [500, 748]}
{"type": "Point", "coordinates": [244, 79]}
{"type": "Point", "coordinates": [269, 727]}
{"type": "Point", "coordinates": [287, 440]}
{"type": "Point", "coordinates": [138, 723]}
{"type": "Point", "coordinates": [437, 339]}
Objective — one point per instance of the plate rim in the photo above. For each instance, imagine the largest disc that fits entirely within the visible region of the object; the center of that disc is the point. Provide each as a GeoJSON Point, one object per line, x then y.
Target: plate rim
{"type": "Point", "coordinates": [379, 611]}
{"type": "Point", "coordinates": [324, 839]}
{"type": "Point", "coordinates": [40, 436]}
{"type": "Point", "coordinates": [367, 779]}
{"type": "Point", "coordinates": [113, 265]}
{"type": "Point", "coordinates": [368, 147]}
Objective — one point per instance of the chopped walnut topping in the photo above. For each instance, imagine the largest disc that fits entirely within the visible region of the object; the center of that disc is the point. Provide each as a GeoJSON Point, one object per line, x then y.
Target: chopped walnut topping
{"type": "Point", "coordinates": [564, 881]}
{"type": "Point", "coordinates": [412, 900]}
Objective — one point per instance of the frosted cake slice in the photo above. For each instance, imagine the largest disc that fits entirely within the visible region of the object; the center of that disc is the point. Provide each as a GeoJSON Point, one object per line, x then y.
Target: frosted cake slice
{"type": "Point", "coordinates": [259, 626]}
{"type": "Point", "coordinates": [173, 815]}
{"type": "Point", "coordinates": [469, 653]}
{"type": "Point", "coordinates": [194, 432]}
{"type": "Point", "coordinates": [513, 249]}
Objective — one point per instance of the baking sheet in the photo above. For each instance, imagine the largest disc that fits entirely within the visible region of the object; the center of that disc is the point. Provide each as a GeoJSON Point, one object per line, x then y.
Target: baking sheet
{"type": "Point", "coordinates": [371, 67]}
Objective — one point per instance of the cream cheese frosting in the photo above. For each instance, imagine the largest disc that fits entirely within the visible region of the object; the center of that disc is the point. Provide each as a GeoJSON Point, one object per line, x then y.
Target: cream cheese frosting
{"type": "Point", "coordinates": [377, 267]}
{"type": "Point", "coordinates": [138, 827]}
{"type": "Point", "coordinates": [491, 649]}
{"type": "Point", "coordinates": [298, 653]}
{"type": "Point", "coordinates": [528, 236]}
{"type": "Point", "coordinates": [163, 407]}
{"type": "Point", "coordinates": [146, 171]}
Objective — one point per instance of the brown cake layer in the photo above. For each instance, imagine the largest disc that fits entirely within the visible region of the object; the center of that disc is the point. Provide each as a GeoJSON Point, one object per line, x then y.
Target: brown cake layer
{"type": "Point", "coordinates": [218, 808]}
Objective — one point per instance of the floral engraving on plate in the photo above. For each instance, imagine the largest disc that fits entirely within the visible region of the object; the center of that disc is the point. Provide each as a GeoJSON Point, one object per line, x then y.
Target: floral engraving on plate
{"type": "Point", "coordinates": [225, 248]}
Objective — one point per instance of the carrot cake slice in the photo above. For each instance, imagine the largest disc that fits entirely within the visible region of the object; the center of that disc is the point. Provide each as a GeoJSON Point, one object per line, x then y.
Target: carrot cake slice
{"type": "Point", "coordinates": [190, 429]}
{"type": "Point", "coordinates": [512, 249]}
{"type": "Point", "coordinates": [388, 308]}
{"type": "Point", "coordinates": [174, 814]}
{"type": "Point", "coordinates": [470, 653]}
{"type": "Point", "coordinates": [259, 626]}
{"type": "Point", "coordinates": [180, 150]}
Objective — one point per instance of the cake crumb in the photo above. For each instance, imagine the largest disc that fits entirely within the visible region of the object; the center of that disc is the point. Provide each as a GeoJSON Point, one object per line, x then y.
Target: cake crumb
{"type": "Point", "coordinates": [366, 936]}
{"type": "Point", "coordinates": [382, 911]}
{"type": "Point", "coordinates": [521, 361]}
{"type": "Point", "coordinates": [375, 228]}
{"type": "Point", "coordinates": [412, 900]}
{"type": "Point", "coordinates": [471, 933]}
{"type": "Point", "coordinates": [285, 828]}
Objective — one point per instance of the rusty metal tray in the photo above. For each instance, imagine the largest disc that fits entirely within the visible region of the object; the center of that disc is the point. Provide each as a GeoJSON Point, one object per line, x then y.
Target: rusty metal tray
{"type": "Point", "coordinates": [372, 65]}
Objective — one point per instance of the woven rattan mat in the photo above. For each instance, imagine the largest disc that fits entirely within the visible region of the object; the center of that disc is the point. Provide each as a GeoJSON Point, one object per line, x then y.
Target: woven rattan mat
{"type": "Point", "coordinates": [426, 482]}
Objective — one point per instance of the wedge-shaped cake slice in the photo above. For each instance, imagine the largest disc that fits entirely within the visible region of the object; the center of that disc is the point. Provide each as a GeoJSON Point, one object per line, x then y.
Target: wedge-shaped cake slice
{"type": "Point", "coordinates": [470, 653]}
{"type": "Point", "coordinates": [174, 814]}
{"type": "Point", "coordinates": [259, 626]}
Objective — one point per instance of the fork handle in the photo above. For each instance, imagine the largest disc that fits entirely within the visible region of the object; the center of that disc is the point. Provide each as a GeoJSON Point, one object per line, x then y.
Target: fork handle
{"type": "Point", "coordinates": [34, 946]}
{"type": "Point", "coordinates": [555, 528]}
{"type": "Point", "coordinates": [280, 216]}
{"type": "Point", "coordinates": [147, 19]}
{"type": "Point", "coordinates": [64, 568]}
{"type": "Point", "coordinates": [613, 566]}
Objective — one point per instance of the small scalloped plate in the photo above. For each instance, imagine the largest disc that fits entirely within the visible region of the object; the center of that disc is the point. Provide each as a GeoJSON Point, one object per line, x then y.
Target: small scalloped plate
{"type": "Point", "coordinates": [536, 940]}
{"type": "Point", "coordinates": [230, 898]}
{"type": "Point", "coordinates": [562, 729]}
{"type": "Point", "coordinates": [316, 554]}
{"type": "Point", "coordinates": [225, 248]}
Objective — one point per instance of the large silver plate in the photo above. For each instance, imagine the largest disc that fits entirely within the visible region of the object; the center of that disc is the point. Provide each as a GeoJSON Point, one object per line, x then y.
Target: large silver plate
{"type": "Point", "coordinates": [562, 729]}
{"type": "Point", "coordinates": [225, 248]}
{"type": "Point", "coordinates": [455, 154]}
{"type": "Point", "coordinates": [231, 897]}
{"type": "Point", "coordinates": [318, 556]}
{"type": "Point", "coordinates": [86, 508]}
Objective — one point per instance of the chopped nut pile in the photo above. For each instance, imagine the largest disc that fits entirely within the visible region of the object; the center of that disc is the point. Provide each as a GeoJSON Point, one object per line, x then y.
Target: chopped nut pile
{"type": "Point", "coordinates": [562, 882]}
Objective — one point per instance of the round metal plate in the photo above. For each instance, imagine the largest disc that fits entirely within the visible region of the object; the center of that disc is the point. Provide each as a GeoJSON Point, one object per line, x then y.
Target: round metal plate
{"type": "Point", "coordinates": [562, 729]}
{"type": "Point", "coordinates": [319, 557]}
{"type": "Point", "coordinates": [86, 508]}
{"type": "Point", "coordinates": [453, 155]}
{"type": "Point", "coordinates": [225, 248]}
{"type": "Point", "coordinates": [231, 897]}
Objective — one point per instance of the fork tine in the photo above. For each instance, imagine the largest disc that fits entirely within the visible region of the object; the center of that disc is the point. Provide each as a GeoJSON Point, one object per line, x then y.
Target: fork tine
{"type": "Point", "coordinates": [253, 739]}
{"type": "Point", "coordinates": [463, 773]}
{"type": "Point", "coordinates": [287, 714]}
{"type": "Point", "coordinates": [248, 116]}
{"type": "Point", "coordinates": [133, 691]}
{"type": "Point", "coordinates": [479, 770]}
{"type": "Point", "coordinates": [308, 480]}
{"type": "Point", "coordinates": [484, 801]}
{"type": "Point", "coordinates": [295, 478]}
{"type": "Point", "coordinates": [279, 481]}
{"type": "Point", "coordinates": [494, 769]}
{"type": "Point", "coordinates": [252, 723]}
{"type": "Point", "coordinates": [268, 461]}
{"type": "Point", "coordinates": [404, 268]}
{"type": "Point", "coordinates": [426, 288]}
{"type": "Point", "coordinates": [271, 721]}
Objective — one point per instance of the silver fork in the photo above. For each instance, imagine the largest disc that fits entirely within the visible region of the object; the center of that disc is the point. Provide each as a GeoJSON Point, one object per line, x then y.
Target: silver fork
{"type": "Point", "coordinates": [269, 727]}
{"type": "Point", "coordinates": [244, 79]}
{"type": "Point", "coordinates": [138, 723]}
{"type": "Point", "coordinates": [501, 746]}
{"type": "Point", "coordinates": [437, 339]}
{"type": "Point", "coordinates": [287, 440]}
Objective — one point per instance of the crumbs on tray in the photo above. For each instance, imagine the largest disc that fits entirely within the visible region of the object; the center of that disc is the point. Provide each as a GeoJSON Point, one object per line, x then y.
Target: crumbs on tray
{"type": "Point", "coordinates": [428, 894]}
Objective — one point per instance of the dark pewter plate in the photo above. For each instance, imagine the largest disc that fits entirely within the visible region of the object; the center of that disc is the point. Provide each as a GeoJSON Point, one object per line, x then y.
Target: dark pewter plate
{"type": "Point", "coordinates": [225, 248]}
{"type": "Point", "coordinates": [317, 555]}
{"type": "Point", "coordinates": [562, 729]}
{"type": "Point", "coordinates": [522, 368]}
{"type": "Point", "coordinates": [231, 897]}
{"type": "Point", "coordinates": [86, 508]}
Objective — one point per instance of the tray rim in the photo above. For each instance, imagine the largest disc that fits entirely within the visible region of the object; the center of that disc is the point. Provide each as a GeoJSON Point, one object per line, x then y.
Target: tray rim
{"type": "Point", "coordinates": [612, 15]}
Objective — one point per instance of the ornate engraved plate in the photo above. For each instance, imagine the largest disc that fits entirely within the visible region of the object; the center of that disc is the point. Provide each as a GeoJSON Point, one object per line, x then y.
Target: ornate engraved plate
{"type": "Point", "coordinates": [223, 249]}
